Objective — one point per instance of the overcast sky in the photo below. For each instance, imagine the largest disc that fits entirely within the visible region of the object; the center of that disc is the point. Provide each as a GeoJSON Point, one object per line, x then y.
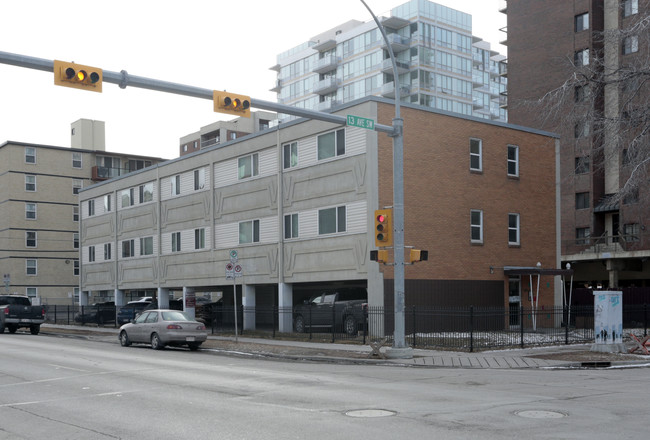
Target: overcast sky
{"type": "Point", "coordinates": [213, 44]}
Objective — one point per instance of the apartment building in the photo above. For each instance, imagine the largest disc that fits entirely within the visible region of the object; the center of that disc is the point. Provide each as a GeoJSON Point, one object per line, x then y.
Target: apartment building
{"type": "Point", "coordinates": [604, 239]}
{"type": "Point", "coordinates": [39, 209]}
{"type": "Point", "coordinates": [440, 64]}
{"type": "Point", "coordinates": [222, 131]}
{"type": "Point", "coordinates": [296, 203]}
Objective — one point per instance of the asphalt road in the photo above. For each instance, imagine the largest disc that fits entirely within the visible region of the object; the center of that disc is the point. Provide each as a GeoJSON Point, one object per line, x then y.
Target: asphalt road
{"type": "Point", "coordinates": [68, 388]}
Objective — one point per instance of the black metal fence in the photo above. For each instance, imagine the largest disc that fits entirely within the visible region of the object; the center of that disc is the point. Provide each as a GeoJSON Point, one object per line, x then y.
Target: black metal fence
{"type": "Point", "coordinates": [462, 329]}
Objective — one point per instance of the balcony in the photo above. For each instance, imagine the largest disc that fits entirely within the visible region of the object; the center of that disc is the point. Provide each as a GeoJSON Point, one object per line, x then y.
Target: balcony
{"type": "Point", "coordinates": [327, 86]}
{"type": "Point", "coordinates": [326, 64]}
{"type": "Point", "coordinates": [388, 90]}
{"type": "Point", "coordinates": [503, 6]}
{"type": "Point", "coordinates": [278, 86]}
{"type": "Point", "coordinates": [327, 105]}
{"type": "Point", "coordinates": [324, 46]}
{"type": "Point", "coordinates": [104, 173]}
{"type": "Point", "coordinates": [397, 42]}
{"type": "Point", "coordinates": [387, 67]}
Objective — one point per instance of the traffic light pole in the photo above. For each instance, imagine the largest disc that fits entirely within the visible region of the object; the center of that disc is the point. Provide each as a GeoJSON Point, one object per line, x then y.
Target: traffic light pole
{"type": "Point", "coordinates": [399, 350]}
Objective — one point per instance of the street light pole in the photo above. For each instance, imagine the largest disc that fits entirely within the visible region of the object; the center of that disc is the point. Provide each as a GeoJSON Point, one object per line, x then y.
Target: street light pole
{"type": "Point", "coordinates": [399, 350]}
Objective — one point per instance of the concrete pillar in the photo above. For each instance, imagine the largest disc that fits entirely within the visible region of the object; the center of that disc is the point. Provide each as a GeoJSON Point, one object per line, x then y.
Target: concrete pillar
{"type": "Point", "coordinates": [189, 302]}
{"type": "Point", "coordinates": [84, 296]}
{"type": "Point", "coordinates": [119, 297]}
{"type": "Point", "coordinates": [163, 298]}
{"type": "Point", "coordinates": [248, 301]}
{"type": "Point", "coordinates": [285, 308]}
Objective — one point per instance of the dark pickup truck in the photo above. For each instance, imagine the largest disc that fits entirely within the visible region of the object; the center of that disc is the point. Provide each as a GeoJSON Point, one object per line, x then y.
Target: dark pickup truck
{"type": "Point", "coordinates": [17, 311]}
{"type": "Point", "coordinates": [342, 309]}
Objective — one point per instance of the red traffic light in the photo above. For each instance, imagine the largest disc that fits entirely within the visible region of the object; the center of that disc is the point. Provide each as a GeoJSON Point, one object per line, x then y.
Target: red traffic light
{"type": "Point", "coordinates": [381, 218]}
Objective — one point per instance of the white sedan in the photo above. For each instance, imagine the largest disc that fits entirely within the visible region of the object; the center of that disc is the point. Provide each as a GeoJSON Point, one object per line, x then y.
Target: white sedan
{"type": "Point", "coordinates": [163, 327]}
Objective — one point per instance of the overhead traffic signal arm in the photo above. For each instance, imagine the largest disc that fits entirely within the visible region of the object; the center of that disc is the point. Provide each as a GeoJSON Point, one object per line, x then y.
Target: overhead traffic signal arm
{"type": "Point", "coordinates": [78, 76]}
{"type": "Point", "coordinates": [230, 103]}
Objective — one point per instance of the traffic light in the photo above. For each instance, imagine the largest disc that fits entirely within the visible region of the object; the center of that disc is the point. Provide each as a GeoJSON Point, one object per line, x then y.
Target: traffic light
{"type": "Point", "coordinates": [78, 76]}
{"type": "Point", "coordinates": [380, 256]}
{"type": "Point", "coordinates": [225, 102]}
{"type": "Point", "coordinates": [383, 227]}
{"type": "Point", "coordinates": [416, 255]}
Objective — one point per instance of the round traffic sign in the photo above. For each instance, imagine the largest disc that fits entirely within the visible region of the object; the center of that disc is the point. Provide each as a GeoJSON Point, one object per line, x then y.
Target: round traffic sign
{"type": "Point", "coordinates": [238, 268]}
{"type": "Point", "coordinates": [229, 266]}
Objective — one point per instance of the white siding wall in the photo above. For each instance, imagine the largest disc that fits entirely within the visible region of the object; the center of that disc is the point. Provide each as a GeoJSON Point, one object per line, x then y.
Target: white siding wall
{"type": "Point", "coordinates": [117, 253]}
{"type": "Point", "coordinates": [227, 235]}
{"type": "Point", "coordinates": [187, 241]}
{"type": "Point", "coordinates": [134, 202]}
{"type": "Point", "coordinates": [226, 172]}
{"type": "Point", "coordinates": [99, 253]}
{"type": "Point", "coordinates": [99, 207]}
{"type": "Point", "coordinates": [356, 214]}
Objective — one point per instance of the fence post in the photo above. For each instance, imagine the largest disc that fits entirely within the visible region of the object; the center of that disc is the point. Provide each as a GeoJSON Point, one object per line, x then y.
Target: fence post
{"type": "Point", "coordinates": [471, 329]}
{"type": "Point", "coordinates": [645, 319]}
{"type": "Point", "coordinates": [333, 321]}
{"type": "Point", "coordinates": [310, 321]}
{"type": "Point", "coordinates": [365, 324]}
{"type": "Point", "coordinates": [566, 324]}
{"type": "Point", "coordinates": [276, 312]}
{"type": "Point", "coordinates": [521, 325]}
{"type": "Point", "coordinates": [414, 327]}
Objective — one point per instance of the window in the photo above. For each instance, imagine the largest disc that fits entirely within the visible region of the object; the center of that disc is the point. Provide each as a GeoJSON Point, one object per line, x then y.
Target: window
{"type": "Point", "coordinates": [30, 183]}
{"type": "Point", "coordinates": [582, 22]}
{"type": "Point", "coordinates": [75, 213]}
{"type": "Point", "coordinates": [91, 208]}
{"type": "Point", "coordinates": [513, 160]}
{"type": "Point", "coordinates": [581, 129]}
{"type": "Point", "coordinates": [30, 155]}
{"type": "Point", "coordinates": [582, 235]}
{"type": "Point", "coordinates": [75, 269]}
{"type": "Point", "coordinates": [91, 254]}
{"type": "Point", "coordinates": [77, 184]}
{"type": "Point", "coordinates": [248, 166]}
{"type": "Point", "coordinates": [76, 160]}
{"type": "Point", "coordinates": [476, 226]}
{"type": "Point", "coordinates": [582, 200]}
{"type": "Point", "coordinates": [331, 144]}
{"type": "Point", "coordinates": [127, 197]}
{"type": "Point", "coordinates": [475, 154]}
{"type": "Point", "coordinates": [107, 203]}
{"type": "Point", "coordinates": [291, 226]}
{"type": "Point", "coordinates": [332, 220]}
{"type": "Point", "coordinates": [176, 185]}
{"type": "Point", "coordinates": [582, 165]}
{"type": "Point", "coordinates": [630, 44]}
{"type": "Point", "coordinates": [581, 58]}
{"type": "Point", "coordinates": [107, 251]}
{"type": "Point", "coordinates": [75, 240]}
{"type": "Point", "coordinates": [199, 238]}
{"type": "Point", "coordinates": [630, 7]}
{"type": "Point", "coordinates": [30, 239]}
{"type": "Point", "coordinates": [176, 241]}
{"type": "Point", "coordinates": [631, 232]}
{"type": "Point", "coordinates": [290, 155]}
{"type": "Point", "coordinates": [199, 179]}
{"type": "Point", "coordinates": [249, 232]}
{"type": "Point", "coordinates": [30, 211]}
{"type": "Point", "coordinates": [32, 292]}
{"type": "Point", "coordinates": [513, 229]}
{"type": "Point", "coordinates": [30, 267]}
{"type": "Point", "coordinates": [146, 246]}
{"type": "Point", "coordinates": [146, 192]}
{"type": "Point", "coordinates": [127, 249]}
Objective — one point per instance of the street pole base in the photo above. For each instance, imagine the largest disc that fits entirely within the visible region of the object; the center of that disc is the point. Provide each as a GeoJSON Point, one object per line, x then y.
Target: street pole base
{"type": "Point", "coordinates": [399, 353]}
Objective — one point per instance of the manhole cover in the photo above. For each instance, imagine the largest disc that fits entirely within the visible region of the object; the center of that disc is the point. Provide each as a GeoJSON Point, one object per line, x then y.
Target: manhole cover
{"type": "Point", "coordinates": [370, 413]}
{"type": "Point", "coordinates": [540, 414]}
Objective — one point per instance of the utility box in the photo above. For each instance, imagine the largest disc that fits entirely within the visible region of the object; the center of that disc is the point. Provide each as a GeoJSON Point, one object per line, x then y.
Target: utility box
{"type": "Point", "coordinates": [608, 322]}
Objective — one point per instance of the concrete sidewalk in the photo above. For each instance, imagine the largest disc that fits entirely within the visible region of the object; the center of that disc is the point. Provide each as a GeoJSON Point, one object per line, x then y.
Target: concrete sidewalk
{"type": "Point", "coordinates": [562, 356]}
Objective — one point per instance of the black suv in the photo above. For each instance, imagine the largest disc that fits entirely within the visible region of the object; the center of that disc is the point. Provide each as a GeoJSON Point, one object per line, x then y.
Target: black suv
{"type": "Point", "coordinates": [344, 309]}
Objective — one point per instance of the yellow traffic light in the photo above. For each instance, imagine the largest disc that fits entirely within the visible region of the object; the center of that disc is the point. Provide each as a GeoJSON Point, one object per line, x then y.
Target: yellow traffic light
{"type": "Point", "coordinates": [416, 255]}
{"type": "Point", "coordinates": [225, 102]}
{"type": "Point", "coordinates": [78, 76]}
{"type": "Point", "coordinates": [383, 227]}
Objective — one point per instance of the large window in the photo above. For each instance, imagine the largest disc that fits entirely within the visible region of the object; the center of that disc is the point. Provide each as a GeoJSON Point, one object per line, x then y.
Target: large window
{"type": "Point", "coordinates": [476, 154]}
{"type": "Point", "coordinates": [630, 44]}
{"type": "Point", "coordinates": [75, 240]}
{"type": "Point", "coordinates": [30, 183]}
{"type": "Point", "coordinates": [127, 197]}
{"type": "Point", "coordinates": [581, 57]}
{"type": "Point", "coordinates": [582, 200]}
{"type": "Point", "coordinates": [146, 246]}
{"type": "Point", "coordinates": [476, 226]}
{"type": "Point", "coordinates": [77, 184]}
{"type": "Point", "coordinates": [91, 254]}
{"type": "Point", "coordinates": [290, 155]}
{"type": "Point", "coordinates": [513, 230]}
{"type": "Point", "coordinates": [331, 144]}
{"type": "Point", "coordinates": [107, 203]}
{"type": "Point", "coordinates": [31, 267]}
{"type": "Point", "coordinates": [30, 211]}
{"type": "Point", "coordinates": [176, 241]}
{"type": "Point", "coordinates": [582, 236]}
{"type": "Point", "coordinates": [107, 251]}
{"type": "Point", "coordinates": [332, 220]}
{"type": "Point", "coordinates": [582, 165]}
{"type": "Point", "coordinates": [146, 192]}
{"type": "Point", "coordinates": [249, 232]}
{"type": "Point", "coordinates": [30, 155]}
{"type": "Point", "coordinates": [630, 7]}
{"type": "Point", "coordinates": [199, 238]}
{"type": "Point", "coordinates": [176, 185]}
{"type": "Point", "coordinates": [513, 160]}
{"type": "Point", "coordinates": [76, 160]}
{"type": "Point", "coordinates": [631, 232]}
{"type": "Point", "coordinates": [581, 22]}
{"type": "Point", "coordinates": [291, 226]}
{"type": "Point", "coordinates": [199, 179]}
{"type": "Point", "coordinates": [248, 166]}
{"type": "Point", "coordinates": [127, 249]}
{"type": "Point", "coordinates": [30, 239]}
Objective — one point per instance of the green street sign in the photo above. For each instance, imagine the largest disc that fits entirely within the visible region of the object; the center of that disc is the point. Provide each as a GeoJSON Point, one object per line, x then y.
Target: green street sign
{"type": "Point", "coordinates": [358, 121]}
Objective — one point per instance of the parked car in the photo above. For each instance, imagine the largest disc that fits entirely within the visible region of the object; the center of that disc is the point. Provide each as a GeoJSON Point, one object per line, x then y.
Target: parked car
{"type": "Point", "coordinates": [174, 304]}
{"type": "Point", "coordinates": [163, 327]}
{"type": "Point", "coordinates": [343, 308]}
{"type": "Point", "coordinates": [128, 312]}
{"type": "Point", "coordinates": [98, 313]}
{"type": "Point", "coordinates": [17, 311]}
